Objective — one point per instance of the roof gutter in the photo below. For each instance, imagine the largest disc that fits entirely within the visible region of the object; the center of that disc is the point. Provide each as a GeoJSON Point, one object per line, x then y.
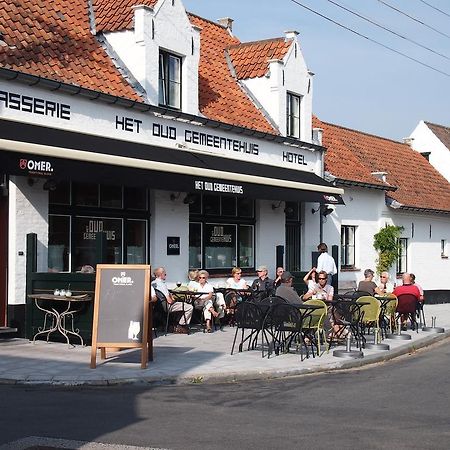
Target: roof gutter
{"type": "Point", "coordinates": [72, 89]}
{"type": "Point", "coordinates": [342, 182]}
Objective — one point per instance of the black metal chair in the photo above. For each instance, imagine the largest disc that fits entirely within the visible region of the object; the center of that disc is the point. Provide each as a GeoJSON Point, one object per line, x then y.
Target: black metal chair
{"type": "Point", "coordinates": [283, 323]}
{"type": "Point", "coordinates": [248, 316]}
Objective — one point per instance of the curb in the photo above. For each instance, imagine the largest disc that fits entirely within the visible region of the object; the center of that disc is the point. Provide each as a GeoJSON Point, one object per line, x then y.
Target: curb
{"type": "Point", "coordinates": [236, 377]}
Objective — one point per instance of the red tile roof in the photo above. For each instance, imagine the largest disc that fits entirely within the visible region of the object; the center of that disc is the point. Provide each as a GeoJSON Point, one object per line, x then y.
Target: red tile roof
{"type": "Point", "coordinates": [354, 155]}
{"type": "Point", "coordinates": [250, 60]}
{"type": "Point", "coordinates": [441, 132]}
{"type": "Point", "coordinates": [52, 39]}
{"type": "Point", "coordinates": [114, 15]}
{"type": "Point", "coordinates": [220, 96]}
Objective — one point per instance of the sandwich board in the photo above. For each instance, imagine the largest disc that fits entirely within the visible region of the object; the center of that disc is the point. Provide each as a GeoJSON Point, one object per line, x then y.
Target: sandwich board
{"type": "Point", "coordinates": [122, 312]}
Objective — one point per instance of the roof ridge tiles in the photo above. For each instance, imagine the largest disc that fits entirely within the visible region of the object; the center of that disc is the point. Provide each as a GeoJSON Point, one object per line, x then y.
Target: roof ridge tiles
{"type": "Point", "coordinates": [261, 41]}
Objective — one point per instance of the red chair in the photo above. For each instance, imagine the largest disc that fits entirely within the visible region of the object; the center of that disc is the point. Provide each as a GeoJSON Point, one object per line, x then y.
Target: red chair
{"type": "Point", "coordinates": [407, 309]}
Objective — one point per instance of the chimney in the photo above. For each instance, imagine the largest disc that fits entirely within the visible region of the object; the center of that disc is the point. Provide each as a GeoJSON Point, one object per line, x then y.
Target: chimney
{"type": "Point", "coordinates": [380, 175]}
{"type": "Point", "coordinates": [227, 23]}
{"type": "Point", "coordinates": [317, 134]}
{"type": "Point", "coordinates": [291, 34]}
{"type": "Point", "coordinates": [408, 141]}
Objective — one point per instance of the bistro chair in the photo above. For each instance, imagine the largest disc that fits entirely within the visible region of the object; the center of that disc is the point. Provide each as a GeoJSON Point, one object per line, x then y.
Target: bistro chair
{"type": "Point", "coordinates": [407, 308]}
{"type": "Point", "coordinates": [387, 318]}
{"type": "Point", "coordinates": [421, 314]}
{"type": "Point", "coordinates": [248, 316]}
{"type": "Point", "coordinates": [314, 327]}
{"type": "Point", "coordinates": [369, 313]}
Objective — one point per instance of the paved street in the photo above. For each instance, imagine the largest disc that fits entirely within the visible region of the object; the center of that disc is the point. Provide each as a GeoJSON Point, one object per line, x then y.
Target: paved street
{"type": "Point", "coordinates": [400, 404]}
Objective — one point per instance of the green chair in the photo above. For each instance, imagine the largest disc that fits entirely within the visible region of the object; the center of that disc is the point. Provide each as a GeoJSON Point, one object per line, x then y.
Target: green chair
{"type": "Point", "coordinates": [390, 310]}
{"type": "Point", "coordinates": [370, 313]}
{"type": "Point", "coordinates": [314, 324]}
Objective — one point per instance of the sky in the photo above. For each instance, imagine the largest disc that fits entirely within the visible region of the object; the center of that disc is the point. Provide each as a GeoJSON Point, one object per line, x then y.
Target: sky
{"type": "Point", "coordinates": [358, 83]}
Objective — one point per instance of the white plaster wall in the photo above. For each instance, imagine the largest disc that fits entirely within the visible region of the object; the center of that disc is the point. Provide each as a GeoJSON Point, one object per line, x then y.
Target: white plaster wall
{"type": "Point", "coordinates": [270, 232]}
{"type": "Point", "coordinates": [167, 27]}
{"type": "Point", "coordinates": [169, 218]}
{"type": "Point", "coordinates": [424, 140]}
{"type": "Point", "coordinates": [271, 91]}
{"type": "Point", "coordinates": [310, 233]}
{"type": "Point", "coordinates": [424, 250]}
{"type": "Point", "coordinates": [28, 213]}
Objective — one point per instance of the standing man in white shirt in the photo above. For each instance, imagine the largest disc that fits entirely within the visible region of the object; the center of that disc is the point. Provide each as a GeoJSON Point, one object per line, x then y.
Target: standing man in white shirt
{"type": "Point", "coordinates": [326, 263]}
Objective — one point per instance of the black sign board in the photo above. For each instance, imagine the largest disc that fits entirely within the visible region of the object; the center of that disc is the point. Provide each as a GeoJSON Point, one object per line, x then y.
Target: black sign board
{"type": "Point", "coordinates": [121, 310]}
{"type": "Point", "coordinates": [173, 245]}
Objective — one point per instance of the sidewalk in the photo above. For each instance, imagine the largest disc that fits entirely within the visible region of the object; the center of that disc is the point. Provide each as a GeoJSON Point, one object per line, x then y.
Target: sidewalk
{"type": "Point", "coordinates": [184, 359]}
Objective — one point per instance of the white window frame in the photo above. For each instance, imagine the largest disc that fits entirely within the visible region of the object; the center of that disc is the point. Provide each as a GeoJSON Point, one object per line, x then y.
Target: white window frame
{"type": "Point", "coordinates": [293, 117]}
{"type": "Point", "coordinates": [165, 83]}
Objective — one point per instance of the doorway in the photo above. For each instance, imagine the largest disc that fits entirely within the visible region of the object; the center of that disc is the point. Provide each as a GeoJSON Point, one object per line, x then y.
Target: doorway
{"type": "Point", "coordinates": [3, 255]}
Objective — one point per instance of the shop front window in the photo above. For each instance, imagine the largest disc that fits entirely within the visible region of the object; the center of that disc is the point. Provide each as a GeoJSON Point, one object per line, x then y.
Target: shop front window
{"type": "Point", "coordinates": [85, 230]}
{"type": "Point", "coordinates": [58, 243]}
{"type": "Point", "coordinates": [221, 233]}
{"type": "Point", "coordinates": [136, 233]}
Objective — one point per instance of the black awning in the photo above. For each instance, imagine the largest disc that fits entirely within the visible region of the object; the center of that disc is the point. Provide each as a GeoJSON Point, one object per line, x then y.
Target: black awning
{"type": "Point", "coordinates": [83, 157]}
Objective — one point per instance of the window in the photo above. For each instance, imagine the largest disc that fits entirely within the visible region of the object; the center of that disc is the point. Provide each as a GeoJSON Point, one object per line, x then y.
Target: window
{"type": "Point", "coordinates": [293, 115]}
{"type": "Point", "coordinates": [444, 248]}
{"type": "Point", "coordinates": [221, 233]}
{"type": "Point", "coordinates": [402, 256]}
{"type": "Point", "coordinates": [78, 212]}
{"type": "Point", "coordinates": [348, 246]}
{"type": "Point", "coordinates": [169, 80]}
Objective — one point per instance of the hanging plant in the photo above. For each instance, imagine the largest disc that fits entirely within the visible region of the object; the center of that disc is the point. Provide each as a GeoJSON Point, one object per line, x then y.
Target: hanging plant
{"type": "Point", "coordinates": [386, 243]}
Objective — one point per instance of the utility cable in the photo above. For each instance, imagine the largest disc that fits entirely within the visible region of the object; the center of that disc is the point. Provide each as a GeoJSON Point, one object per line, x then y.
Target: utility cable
{"type": "Point", "coordinates": [413, 18]}
{"type": "Point", "coordinates": [434, 7]}
{"type": "Point", "coordinates": [370, 39]}
{"type": "Point", "coordinates": [387, 29]}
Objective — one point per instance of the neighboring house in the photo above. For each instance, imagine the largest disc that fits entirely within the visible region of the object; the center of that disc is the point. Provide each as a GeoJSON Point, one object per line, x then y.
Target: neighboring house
{"type": "Point", "coordinates": [158, 129]}
{"type": "Point", "coordinates": [433, 142]}
{"type": "Point", "coordinates": [387, 183]}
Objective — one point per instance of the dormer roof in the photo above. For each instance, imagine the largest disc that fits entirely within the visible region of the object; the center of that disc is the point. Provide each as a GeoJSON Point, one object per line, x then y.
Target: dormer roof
{"type": "Point", "coordinates": [251, 59]}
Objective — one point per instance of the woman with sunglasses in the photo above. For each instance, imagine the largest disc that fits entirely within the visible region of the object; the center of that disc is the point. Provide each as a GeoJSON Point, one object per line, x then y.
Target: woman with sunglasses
{"type": "Point", "coordinates": [235, 281]}
{"type": "Point", "coordinates": [213, 306]}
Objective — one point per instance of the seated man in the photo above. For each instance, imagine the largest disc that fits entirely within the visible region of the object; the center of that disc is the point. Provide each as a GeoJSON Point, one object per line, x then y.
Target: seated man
{"type": "Point", "coordinates": [385, 286]}
{"type": "Point", "coordinates": [321, 290]}
{"type": "Point", "coordinates": [407, 288]}
{"type": "Point", "coordinates": [263, 283]}
{"type": "Point", "coordinates": [286, 291]}
{"type": "Point", "coordinates": [186, 308]}
{"type": "Point", "coordinates": [368, 285]}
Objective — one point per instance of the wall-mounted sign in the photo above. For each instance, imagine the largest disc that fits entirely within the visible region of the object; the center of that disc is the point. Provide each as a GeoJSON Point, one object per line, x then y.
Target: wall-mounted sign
{"type": "Point", "coordinates": [222, 188]}
{"type": "Point", "coordinates": [173, 245]}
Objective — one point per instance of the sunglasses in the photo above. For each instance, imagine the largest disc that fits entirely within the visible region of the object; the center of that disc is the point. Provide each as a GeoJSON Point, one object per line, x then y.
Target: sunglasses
{"type": "Point", "coordinates": [322, 278]}
{"type": "Point", "coordinates": [200, 278]}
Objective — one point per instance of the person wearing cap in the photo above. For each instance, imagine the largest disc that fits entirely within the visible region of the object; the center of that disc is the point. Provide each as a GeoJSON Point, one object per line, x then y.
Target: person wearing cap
{"type": "Point", "coordinates": [263, 283]}
{"type": "Point", "coordinates": [368, 285]}
{"type": "Point", "coordinates": [286, 290]}
{"type": "Point", "coordinates": [322, 290]}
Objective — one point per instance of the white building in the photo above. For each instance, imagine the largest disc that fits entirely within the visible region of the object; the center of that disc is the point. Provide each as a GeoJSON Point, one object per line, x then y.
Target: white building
{"type": "Point", "coordinates": [433, 141]}
{"type": "Point", "coordinates": [387, 183]}
{"type": "Point", "coordinates": [158, 130]}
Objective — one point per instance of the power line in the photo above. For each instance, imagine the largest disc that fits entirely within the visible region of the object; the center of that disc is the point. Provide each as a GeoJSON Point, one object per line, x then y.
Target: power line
{"type": "Point", "coordinates": [414, 18]}
{"type": "Point", "coordinates": [434, 7]}
{"type": "Point", "coordinates": [370, 39]}
{"type": "Point", "coordinates": [387, 29]}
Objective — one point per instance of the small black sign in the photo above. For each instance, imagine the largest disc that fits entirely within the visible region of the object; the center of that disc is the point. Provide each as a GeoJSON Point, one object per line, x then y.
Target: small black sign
{"type": "Point", "coordinates": [173, 245]}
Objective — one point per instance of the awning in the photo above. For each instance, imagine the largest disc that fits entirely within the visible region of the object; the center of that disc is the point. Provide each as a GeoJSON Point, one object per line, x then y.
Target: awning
{"type": "Point", "coordinates": [82, 157]}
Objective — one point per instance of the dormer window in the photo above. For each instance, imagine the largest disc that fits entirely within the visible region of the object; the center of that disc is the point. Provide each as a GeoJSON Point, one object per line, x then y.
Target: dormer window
{"type": "Point", "coordinates": [169, 80]}
{"type": "Point", "coordinates": [293, 115]}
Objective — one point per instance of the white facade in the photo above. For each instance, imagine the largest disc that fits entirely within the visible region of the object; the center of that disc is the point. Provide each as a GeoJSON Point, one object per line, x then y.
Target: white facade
{"type": "Point", "coordinates": [288, 75]}
{"type": "Point", "coordinates": [424, 140]}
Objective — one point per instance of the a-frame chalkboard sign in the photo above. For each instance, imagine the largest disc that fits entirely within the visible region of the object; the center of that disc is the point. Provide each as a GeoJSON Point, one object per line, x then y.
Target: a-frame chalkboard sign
{"type": "Point", "coordinates": [122, 314]}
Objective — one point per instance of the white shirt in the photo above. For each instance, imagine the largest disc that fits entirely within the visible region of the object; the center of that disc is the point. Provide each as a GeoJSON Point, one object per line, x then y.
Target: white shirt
{"type": "Point", "coordinates": [161, 286]}
{"type": "Point", "coordinates": [193, 285]}
{"type": "Point", "coordinates": [241, 284]}
{"type": "Point", "coordinates": [326, 263]}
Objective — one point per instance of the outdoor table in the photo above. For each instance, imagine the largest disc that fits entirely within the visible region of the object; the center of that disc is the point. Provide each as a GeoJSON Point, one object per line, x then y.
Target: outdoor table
{"type": "Point", "coordinates": [190, 297]}
{"type": "Point", "coordinates": [384, 301]}
{"type": "Point", "coordinates": [48, 304]}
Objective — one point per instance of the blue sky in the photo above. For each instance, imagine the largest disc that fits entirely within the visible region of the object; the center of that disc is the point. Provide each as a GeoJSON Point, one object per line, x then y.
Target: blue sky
{"type": "Point", "coordinates": [357, 83]}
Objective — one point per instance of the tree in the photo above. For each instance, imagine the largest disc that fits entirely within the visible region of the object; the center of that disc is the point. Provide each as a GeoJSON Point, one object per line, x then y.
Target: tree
{"type": "Point", "coordinates": [386, 243]}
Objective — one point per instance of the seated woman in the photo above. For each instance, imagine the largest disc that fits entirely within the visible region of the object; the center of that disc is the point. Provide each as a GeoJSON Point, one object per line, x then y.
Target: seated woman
{"type": "Point", "coordinates": [193, 280]}
{"type": "Point", "coordinates": [235, 281]}
{"type": "Point", "coordinates": [213, 306]}
{"type": "Point", "coordinates": [310, 279]}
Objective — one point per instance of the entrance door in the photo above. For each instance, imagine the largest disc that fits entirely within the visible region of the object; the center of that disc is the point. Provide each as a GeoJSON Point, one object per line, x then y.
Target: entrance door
{"type": "Point", "coordinates": [3, 257]}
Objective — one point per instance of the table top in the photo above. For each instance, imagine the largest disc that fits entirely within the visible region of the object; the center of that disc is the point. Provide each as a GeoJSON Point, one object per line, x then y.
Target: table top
{"type": "Point", "coordinates": [62, 298]}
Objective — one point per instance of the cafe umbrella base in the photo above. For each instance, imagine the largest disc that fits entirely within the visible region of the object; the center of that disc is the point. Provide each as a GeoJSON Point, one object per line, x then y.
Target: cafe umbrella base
{"type": "Point", "coordinates": [372, 346]}
{"type": "Point", "coordinates": [403, 336]}
{"type": "Point", "coordinates": [350, 354]}
{"type": "Point", "coordinates": [433, 329]}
